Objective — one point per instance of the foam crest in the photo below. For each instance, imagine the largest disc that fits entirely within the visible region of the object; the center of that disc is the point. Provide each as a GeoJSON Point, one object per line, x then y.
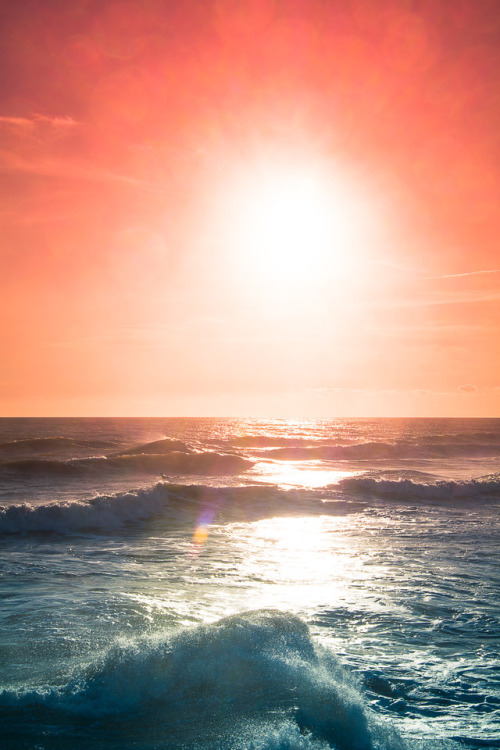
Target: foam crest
{"type": "Point", "coordinates": [258, 662]}
{"type": "Point", "coordinates": [102, 513]}
{"type": "Point", "coordinates": [408, 489]}
{"type": "Point", "coordinates": [177, 502]}
{"type": "Point", "coordinates": [381, 450]}
{"type": "Point", "coordinates": [165, 445]}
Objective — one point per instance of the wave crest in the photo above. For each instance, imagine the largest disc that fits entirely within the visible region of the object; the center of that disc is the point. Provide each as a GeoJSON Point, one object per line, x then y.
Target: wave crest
{"type": "Point", "coordinates": [102, 513]}
{"type": "Point", "coordinates": [255, 662]}
{"type": "Point", "coordinates": [206, 463]}
{"type": "Point", "coordinates": [381, 450]}
{"type": "Point", "coordinates": [408, 489]}
{"type": "Point", "coordinates": [165, 445]}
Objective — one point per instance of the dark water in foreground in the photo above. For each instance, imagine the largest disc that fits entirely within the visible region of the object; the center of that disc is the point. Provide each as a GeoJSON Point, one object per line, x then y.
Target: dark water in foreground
{"type": "Point", "coordinates": [214, 583]}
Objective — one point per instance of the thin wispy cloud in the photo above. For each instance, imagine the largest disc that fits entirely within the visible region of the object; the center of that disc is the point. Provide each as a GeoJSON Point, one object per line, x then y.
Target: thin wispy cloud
{"type": "Point", "coordinates": [10, 161]}
{"type": "Point", "coordinates": [443, 298]}
{"type": "Point", "coordinates": [489, 271]}
{"type": "Point", "coordinates": [57, 121]}
{"type": "Point", "coordinates": [31, 145]}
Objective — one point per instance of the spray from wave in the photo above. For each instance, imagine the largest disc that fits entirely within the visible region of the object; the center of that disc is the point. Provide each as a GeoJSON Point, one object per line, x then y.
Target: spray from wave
{"type": "Point", "coordinates": [256, 664]}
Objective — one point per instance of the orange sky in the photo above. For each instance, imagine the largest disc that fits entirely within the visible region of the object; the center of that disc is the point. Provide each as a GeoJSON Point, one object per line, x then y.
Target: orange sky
{"type": "Point", "coordinates": [153, 258]}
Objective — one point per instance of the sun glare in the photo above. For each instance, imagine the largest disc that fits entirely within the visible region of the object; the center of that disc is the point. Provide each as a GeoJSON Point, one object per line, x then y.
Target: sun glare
{"type": "Point", "coordinates": [288, 226]}
{"type": "Point", "coordinates": [306, 474]}
{"type": "Point", "coordinates": [291, 227]}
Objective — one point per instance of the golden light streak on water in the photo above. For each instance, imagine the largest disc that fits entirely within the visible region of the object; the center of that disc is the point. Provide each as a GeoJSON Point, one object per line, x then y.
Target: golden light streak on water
{"type": "Point", "coordinates": [305, 474]}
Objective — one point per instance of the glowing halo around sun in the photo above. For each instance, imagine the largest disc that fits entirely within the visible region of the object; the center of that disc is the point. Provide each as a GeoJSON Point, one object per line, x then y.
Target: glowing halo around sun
{"type": "Point", "coordinates": [292, 227]}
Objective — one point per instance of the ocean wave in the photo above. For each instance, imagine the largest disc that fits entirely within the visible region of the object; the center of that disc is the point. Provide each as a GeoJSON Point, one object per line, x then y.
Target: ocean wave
{"type": "Point", "coordinates": [269, 441]}
{"type": "Point", "coordinates": [179, 503]}
{"type": "Point", "coordinates": [329, 452]}
{"type": "Point", "coordinates": [52, 444]}
{"type": "Point", "coordinates": [45, 466]}
{"type": "Point", "coordinates": [255, 663]}
{"type": "Point", "coordinates": [101, 513]}
{"type": "Point", "coordinates": [409, 489]}
{"type": "Point", "coordinates": [183, 503]}
{"type": "Point", "coordinates": [160, 447]}
{"type": "Point", "coordinates": [207, 463]}
{"type": "Point", "coordinates": [175, 462]}
{"type": "Point", "coordinates": [382, 450]}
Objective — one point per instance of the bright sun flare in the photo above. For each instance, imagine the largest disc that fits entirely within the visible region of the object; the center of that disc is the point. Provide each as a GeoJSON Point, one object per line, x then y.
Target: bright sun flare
{"type": "Point", "coordinates": [290, 227]}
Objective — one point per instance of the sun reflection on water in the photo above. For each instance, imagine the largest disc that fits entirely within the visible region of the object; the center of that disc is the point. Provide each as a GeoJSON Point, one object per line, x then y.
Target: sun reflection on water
{"type": "Point", "coordinates": [295, 562]}
{"type": "Point", "coordinates": [306, 474]}
{"type": "Point", "coordinates": [297, 548]}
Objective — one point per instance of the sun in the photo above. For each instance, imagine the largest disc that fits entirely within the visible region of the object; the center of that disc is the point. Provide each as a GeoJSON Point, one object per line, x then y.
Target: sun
{"type": "Point", "coordinates": [291, 227]}
{"type": "Point", "coordinates": [288, 225]}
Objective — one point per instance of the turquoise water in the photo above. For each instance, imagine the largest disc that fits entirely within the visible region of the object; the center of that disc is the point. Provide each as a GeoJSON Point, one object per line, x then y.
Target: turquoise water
{"type": "Point", "coordinates": [249, 584]}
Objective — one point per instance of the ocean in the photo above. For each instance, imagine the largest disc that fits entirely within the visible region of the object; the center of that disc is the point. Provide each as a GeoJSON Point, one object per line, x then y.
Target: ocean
{"type": "Point", "coordinates": [244, 584]}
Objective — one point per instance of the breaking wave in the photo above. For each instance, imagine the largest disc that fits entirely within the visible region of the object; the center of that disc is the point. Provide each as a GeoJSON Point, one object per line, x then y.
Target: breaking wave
{"type": "Point", "coordinates": [177, 503]}
{"type": "Point", "coordinates": [174, 462]}
{"type": "Point", "coordinates": [165, 445]}
{"type": "Point", "coordinates": [381, 450]}
{"type": "Point", "coordinates": [257, 664]}
{"type": "Point", "coordinates": [103, 512]}
{"type": "Point", "coordinates": [180, 503]}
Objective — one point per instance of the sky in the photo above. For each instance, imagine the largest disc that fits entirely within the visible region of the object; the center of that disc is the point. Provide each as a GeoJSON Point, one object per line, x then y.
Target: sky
{"type": "Point", "coordinates": [250, 208]}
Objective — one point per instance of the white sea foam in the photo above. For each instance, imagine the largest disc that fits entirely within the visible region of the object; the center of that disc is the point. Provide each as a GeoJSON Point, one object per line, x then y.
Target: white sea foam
{"type": "Point", "coordinates": [253, 663]}
{"type": "Point", "coordinates": [408, 489]}
{"type": "Point", "coordinates": [107, 512]}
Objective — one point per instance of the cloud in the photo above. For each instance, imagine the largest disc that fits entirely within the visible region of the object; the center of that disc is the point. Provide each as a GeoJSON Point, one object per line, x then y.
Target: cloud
{"type": "Point", "coordinates": [464, 389]}
{"type": "Point", "coordinates": [61, 167]}
{"type": "Point", "coordinates": [467, 273]}
{"type": "Point", "coordinates": [53, 147]}
{"type": "Point", "coordinates": [468, 388]}
{"type": "Point", "coordinates": [457, 297]}
{"type": "Point", "coordinates": [38, 121]}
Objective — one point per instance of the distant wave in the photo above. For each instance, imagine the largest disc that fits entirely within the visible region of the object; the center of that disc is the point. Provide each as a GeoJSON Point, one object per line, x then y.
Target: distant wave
{"type": "Point", "coordinates": [44, 466]}
{"type": "Point", "coordinates": [165, 445]}
{"type": "Point", "coordinates": [174, 462]}
{"type": "Point", "coordinates": [408, 489]}
{"type": "Point", "coordinates": [52, 444]}
{"type": "Point", "coordinates": [267, 441]}
{"type": "Point", "coordinates": [207, 463]}
{"type": "Point", "coordinates": [261, 663]}
{"type": "Point", "coordinates": [382, 450]}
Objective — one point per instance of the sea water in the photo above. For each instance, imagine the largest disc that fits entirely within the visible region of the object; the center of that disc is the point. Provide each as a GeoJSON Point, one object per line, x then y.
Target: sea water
{"type": "Point", "coordinates": [253, 584]}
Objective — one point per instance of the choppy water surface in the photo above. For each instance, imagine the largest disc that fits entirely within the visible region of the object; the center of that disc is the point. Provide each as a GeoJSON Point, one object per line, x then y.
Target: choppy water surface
{"type": "Point", "coordinates": [249, 584]}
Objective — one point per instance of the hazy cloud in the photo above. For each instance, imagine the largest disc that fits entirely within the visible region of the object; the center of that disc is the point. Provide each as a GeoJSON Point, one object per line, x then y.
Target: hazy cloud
{"type": "Point", "coordinates": [467, 273]}
{"type": "Point", "coordinates": [468, 388]}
